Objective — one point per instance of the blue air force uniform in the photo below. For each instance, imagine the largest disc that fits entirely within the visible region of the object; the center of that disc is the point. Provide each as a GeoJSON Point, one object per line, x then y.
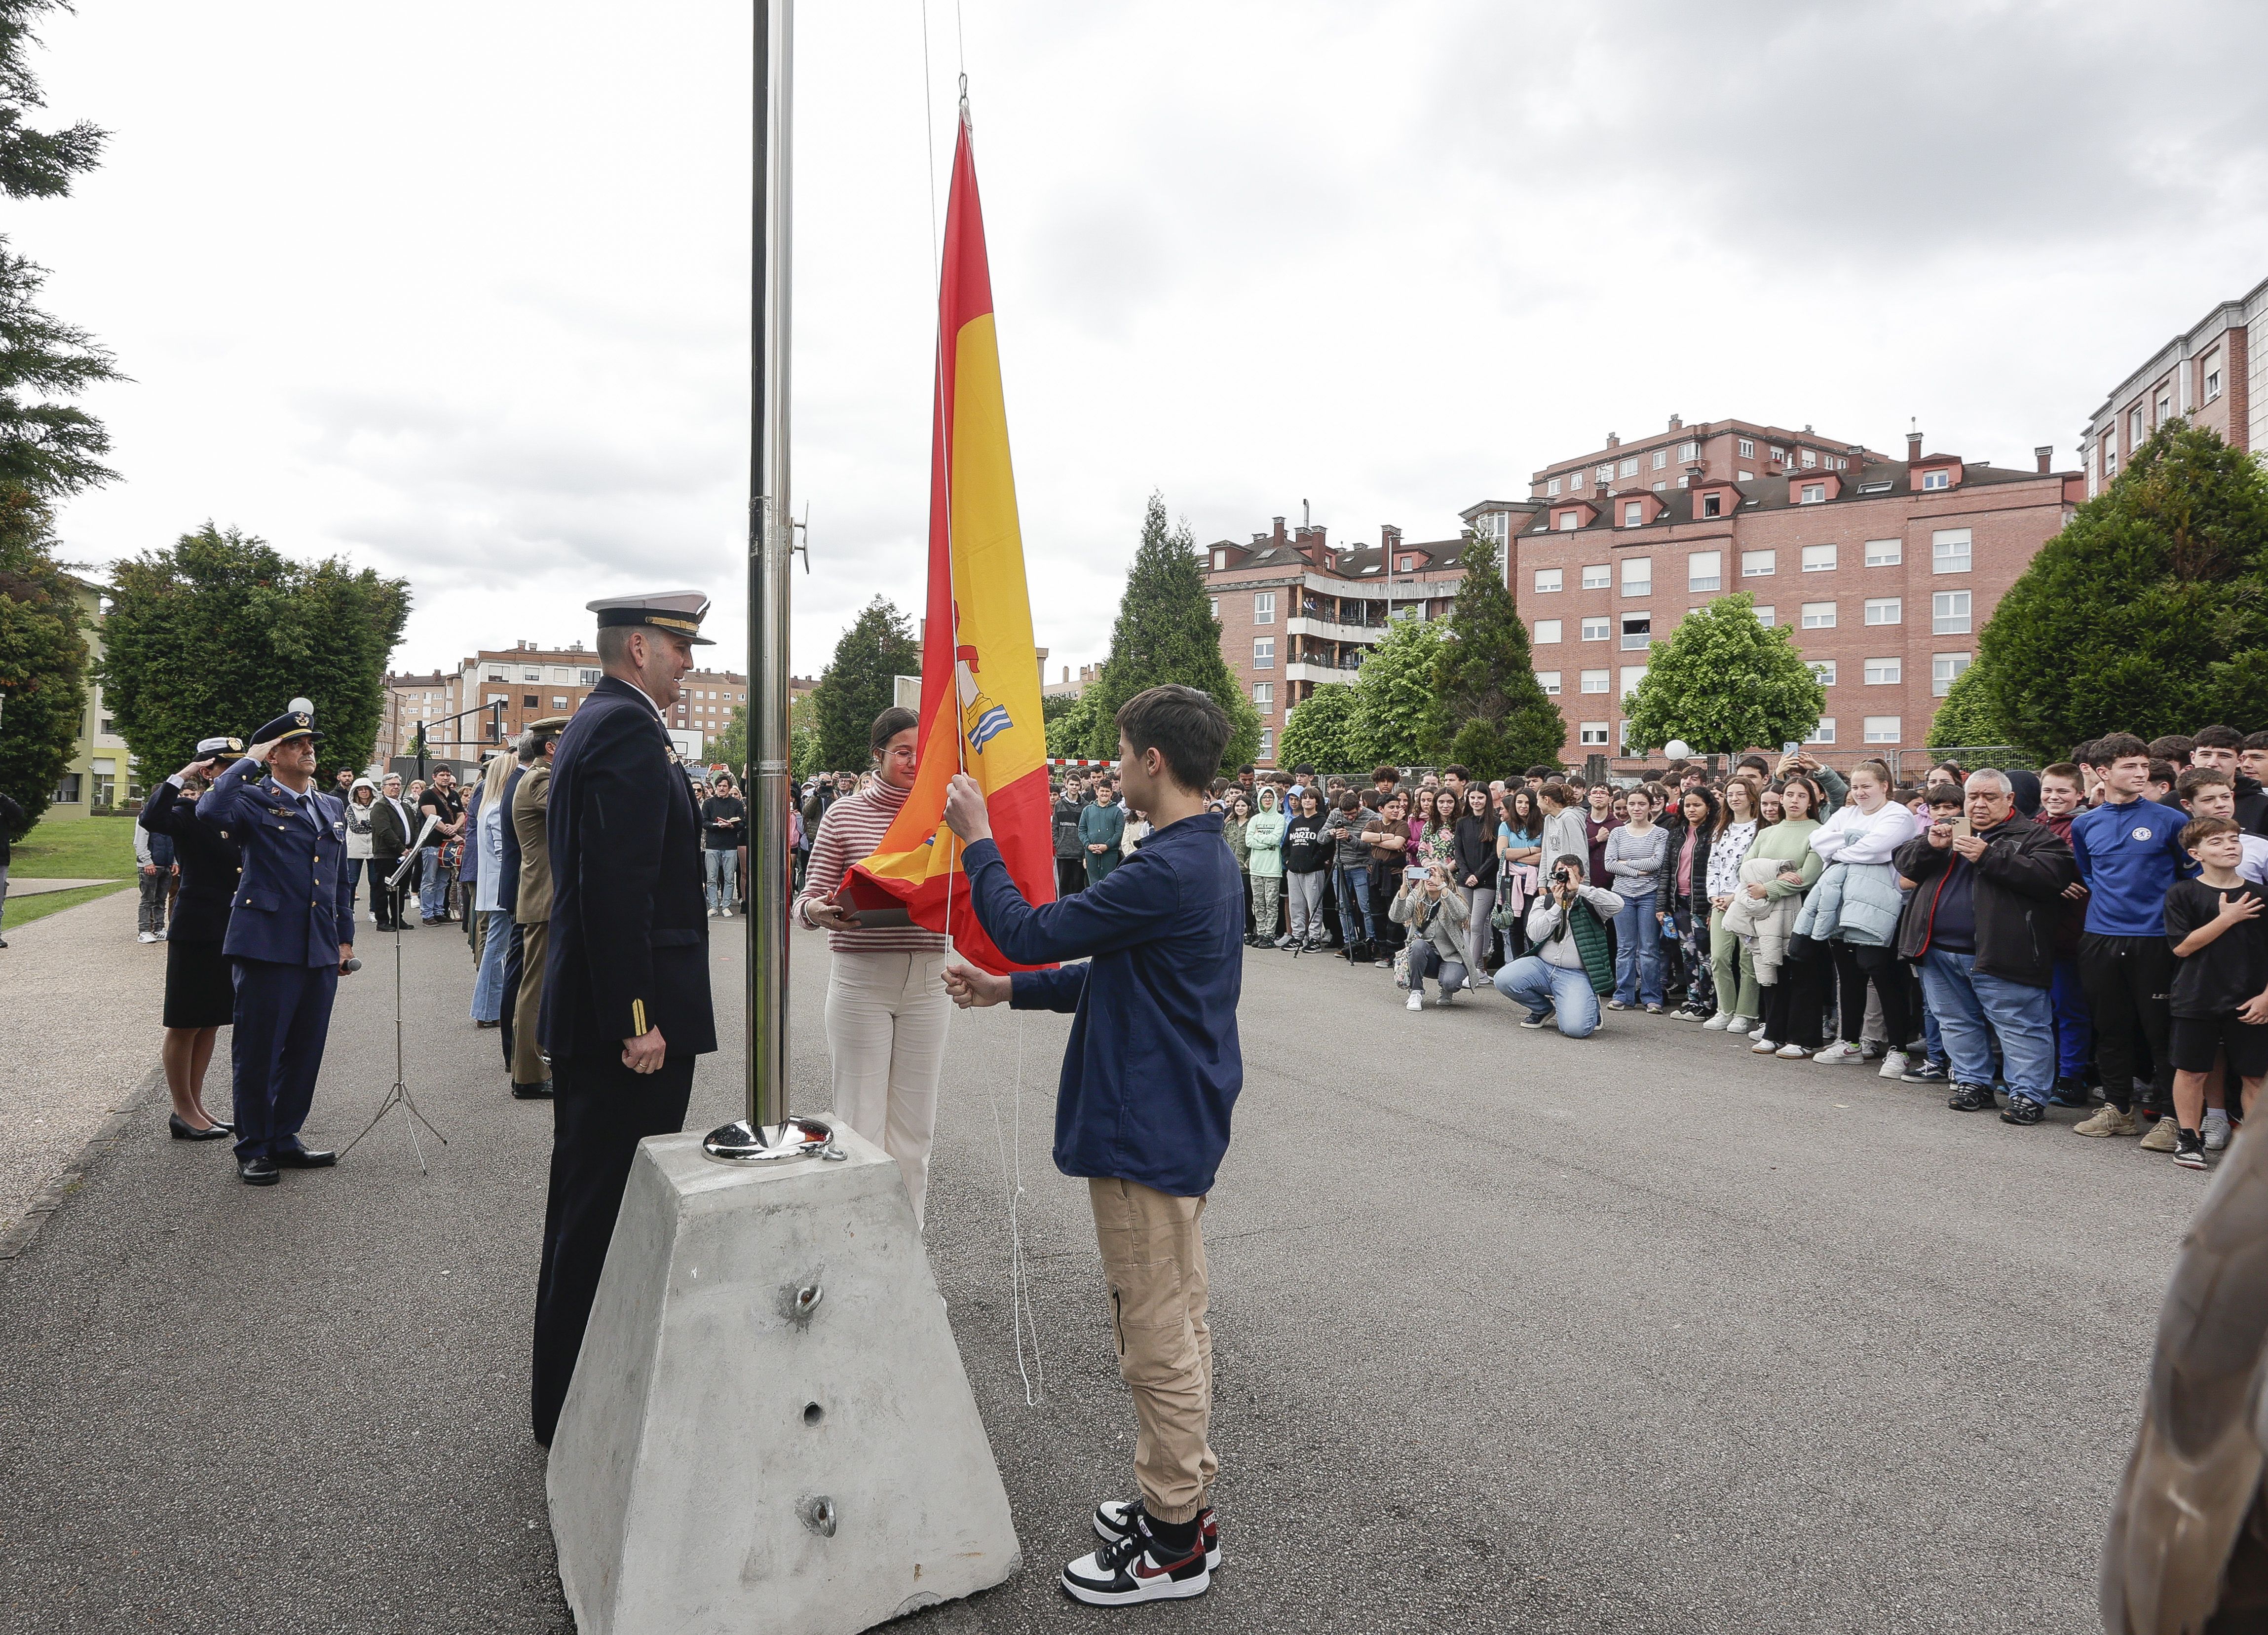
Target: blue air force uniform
{"type": "Point", "coordinates": [628, 953]}
{"type": "Point", "coordinates": [293, 908]}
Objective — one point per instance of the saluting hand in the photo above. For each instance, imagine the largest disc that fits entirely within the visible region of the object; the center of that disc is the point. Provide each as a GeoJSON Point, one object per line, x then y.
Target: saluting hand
{"type": "Point", "coordinates": [645, 1054]}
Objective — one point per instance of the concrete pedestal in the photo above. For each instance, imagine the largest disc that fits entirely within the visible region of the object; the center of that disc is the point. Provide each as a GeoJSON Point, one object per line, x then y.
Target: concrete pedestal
{"type": "Point", "coordinates": [769, 1427]}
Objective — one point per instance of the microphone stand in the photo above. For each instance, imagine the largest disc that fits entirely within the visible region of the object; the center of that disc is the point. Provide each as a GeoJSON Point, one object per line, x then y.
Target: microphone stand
{"type": "Point", "coordinates": [400, 1093]}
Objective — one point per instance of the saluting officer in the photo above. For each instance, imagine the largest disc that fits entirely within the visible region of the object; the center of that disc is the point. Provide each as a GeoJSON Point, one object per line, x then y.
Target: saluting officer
{"type": "Point", "coordinates": [287, 956]}
{"type": "Point", "coordinates": [626, 997]}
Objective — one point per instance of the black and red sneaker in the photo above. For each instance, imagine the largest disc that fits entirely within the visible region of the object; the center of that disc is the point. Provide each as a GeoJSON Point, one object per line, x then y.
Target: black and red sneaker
{"type": "Point", "coordinates": [1115, 1518]}
{"type": "Point", "coordinates": [1138, 1567]}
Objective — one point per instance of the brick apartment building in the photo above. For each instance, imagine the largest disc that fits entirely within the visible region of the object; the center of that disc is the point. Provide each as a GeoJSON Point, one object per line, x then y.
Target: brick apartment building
{"type": "Point", "coordinates": [1297, 611]}
{"type": "Point", "coordinates": [2215, 374]}
{"type": "Point", "coordinates": [1883, 569]}
{"type": "Point", "coordinates": [532, 682]}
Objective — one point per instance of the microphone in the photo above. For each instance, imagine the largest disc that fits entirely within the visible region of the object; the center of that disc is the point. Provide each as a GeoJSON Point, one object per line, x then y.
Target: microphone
{"type": "Point", "coordinates": [349, 968]}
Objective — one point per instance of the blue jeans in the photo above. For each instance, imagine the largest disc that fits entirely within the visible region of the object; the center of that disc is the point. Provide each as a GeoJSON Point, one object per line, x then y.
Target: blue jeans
{"type": "Point", "coordinates": [1534, 982]}
{"type": "Point", "coordinates": [488, 982]}
{"type": "Point", "coordinates": [1426, 959]}
{"type": "Point", "coordinates": [2074, 1021]}
{"type": "Point", "coordinates": [720, 867]}
{"type": "Point", "coordinates": [1637, 952]}
{"type": "Point", "coordinates": [1933, 1040]}
{"type": "Point", "coordinates": [1353, 882]}
{"type": "Point", "coordinates": [432, 888]}
{"type": "Point", "coordinates": [1973, 1008]}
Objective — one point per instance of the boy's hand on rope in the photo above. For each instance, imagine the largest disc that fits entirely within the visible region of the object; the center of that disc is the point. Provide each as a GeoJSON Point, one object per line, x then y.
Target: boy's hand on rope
{"type": "Point", "coordinates": [969, 987]}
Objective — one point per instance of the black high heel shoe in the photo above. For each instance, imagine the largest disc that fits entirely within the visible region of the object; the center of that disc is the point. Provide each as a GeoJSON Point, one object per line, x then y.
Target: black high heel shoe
{"type": "Point", "coordinates": [184, 1130]}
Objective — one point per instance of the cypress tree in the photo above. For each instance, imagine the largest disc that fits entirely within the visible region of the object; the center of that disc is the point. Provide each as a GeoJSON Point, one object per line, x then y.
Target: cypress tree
{"type": "Point", "coordinates": [1489, 713]}
{"type": "Point", "coordinates": [1165, 632]}
{"type": "Point", "coordinates": [42, 657]}
{"type": "Point", "coordinates": [861, 684]}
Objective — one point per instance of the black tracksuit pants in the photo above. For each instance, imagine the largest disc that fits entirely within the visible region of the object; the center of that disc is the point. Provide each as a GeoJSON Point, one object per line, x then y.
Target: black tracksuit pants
{"type": "Point", "coordinates": [2128, 982]}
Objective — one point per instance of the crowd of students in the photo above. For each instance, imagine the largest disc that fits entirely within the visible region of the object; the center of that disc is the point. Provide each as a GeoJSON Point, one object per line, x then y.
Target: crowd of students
{"type": "Point", "coordinates": [2089, 936]}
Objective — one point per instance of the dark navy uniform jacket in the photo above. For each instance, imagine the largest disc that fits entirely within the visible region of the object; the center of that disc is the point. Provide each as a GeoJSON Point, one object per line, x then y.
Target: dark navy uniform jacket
{"type": "Point", "coordinates": [210, 864]}
{"type": "Point", "coordinates": [293, 902]}
{"type": "Point", "coordinates": [629, 926]}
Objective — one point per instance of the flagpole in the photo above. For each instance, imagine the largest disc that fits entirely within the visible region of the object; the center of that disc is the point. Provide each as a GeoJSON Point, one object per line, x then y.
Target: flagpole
{"type": "Point", "coordinates": [768, 1130]}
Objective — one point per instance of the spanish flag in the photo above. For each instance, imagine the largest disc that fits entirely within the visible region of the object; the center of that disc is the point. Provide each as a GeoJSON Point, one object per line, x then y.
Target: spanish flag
{"type": "Point", "coordinates": [980, 702]}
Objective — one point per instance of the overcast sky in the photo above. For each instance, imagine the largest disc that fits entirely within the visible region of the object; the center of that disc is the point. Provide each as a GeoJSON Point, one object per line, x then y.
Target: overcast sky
{"type": "Point", "coordinates": [460, 291]}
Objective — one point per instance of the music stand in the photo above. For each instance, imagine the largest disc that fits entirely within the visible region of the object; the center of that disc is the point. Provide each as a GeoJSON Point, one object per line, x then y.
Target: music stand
{"type": "Point", "coordinates": [400, 1093]}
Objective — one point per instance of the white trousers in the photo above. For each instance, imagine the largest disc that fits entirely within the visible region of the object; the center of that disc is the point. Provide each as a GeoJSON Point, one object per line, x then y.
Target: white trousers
{"type": "Point", "coordinates": [886, 1018]}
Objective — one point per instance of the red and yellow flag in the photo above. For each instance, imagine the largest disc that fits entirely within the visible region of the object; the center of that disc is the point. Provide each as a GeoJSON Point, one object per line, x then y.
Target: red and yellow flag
{"type": "Point", "coordinates": [980, 702]}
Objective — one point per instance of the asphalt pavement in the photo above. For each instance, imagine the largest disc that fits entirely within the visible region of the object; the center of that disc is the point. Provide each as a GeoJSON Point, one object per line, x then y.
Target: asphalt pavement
{"type": "Point", "coordinates": [1638, 1333]}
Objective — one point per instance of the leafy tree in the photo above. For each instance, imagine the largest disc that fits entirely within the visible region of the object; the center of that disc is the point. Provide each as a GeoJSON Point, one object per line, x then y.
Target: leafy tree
{"type": "Point", "coordinates": [218, 634]}
{"type": "Point", "coordinates": [1967, 716]}
{"type": "Point", "coordinates": [1489, 712]}
{"type": "Point", "coordinates": [49, 447]}
{"type": "Point", "coordinates": [1394, 692]}
{"type": "Point", "coordinates": [1070, 731]}
{"type": "Point", "coordinates": [1165, 632]}
{"type": "Point", "coordinates": [42, 657]}
{"type": "Point", "coordinates": [1320, 732]}
{"type": "Point", "coordinates": [860, 684]}
{"type": "Point", "coordinates": [731, 746]}
{"type": "Point", "coordinates": [1724, 683]}
{"type": "Point", "coordinates": [2149, 613]}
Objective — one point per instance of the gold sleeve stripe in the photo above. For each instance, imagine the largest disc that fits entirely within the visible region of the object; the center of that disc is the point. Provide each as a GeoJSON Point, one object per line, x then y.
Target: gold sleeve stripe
{"type": "Point", "coordinates": [637, 1017]}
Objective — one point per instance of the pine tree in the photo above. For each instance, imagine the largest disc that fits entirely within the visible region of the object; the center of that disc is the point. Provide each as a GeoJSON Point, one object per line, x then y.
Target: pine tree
{"type": "Point", "coordinates": [1394, 692]}
{"type": "Point", "coordinates": [1165, 632]}
{"type": "Point", "coordinates": [2149, 613]}
{"type": "Point", "coordinates": [219, 633]}
{"type": "Point", "coordinates": [1724, 683]}
{"type": "Point", "coordinates": [861, 684]}
{"type": "Point", "coordinates": [42, 658]}
{"type": "Point", "coordinates": [1320, 732]}
{"type": "Point", "coordinates": [1491, 714]}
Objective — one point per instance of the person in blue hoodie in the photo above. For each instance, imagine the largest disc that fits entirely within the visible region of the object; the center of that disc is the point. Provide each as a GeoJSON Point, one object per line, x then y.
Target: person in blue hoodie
{"type": "Point", "coordinates": [2129, 854]}
{"type": "Point", "coordinates": [1150, 1077]}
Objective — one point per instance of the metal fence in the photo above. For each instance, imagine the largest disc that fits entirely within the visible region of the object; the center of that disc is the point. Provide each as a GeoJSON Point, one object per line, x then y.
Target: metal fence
{"type": "Point", "coordinates": [1911, 766]}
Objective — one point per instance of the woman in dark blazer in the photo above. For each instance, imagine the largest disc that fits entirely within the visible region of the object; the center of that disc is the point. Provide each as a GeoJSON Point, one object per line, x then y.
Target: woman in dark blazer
{"type": "Point", "coordinates": [200, 990]}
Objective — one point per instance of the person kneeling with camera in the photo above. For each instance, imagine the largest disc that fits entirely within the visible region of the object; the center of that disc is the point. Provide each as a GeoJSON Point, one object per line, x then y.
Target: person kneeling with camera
{"type": "Point", "coordinates": [1436, 918]}
{"type": "Point", "coordinates": [1569, 963]}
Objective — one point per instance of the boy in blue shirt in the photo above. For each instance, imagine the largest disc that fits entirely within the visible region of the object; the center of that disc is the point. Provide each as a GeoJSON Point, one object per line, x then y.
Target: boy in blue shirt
{"type": "Point", "coordinates": [1150, 1077]}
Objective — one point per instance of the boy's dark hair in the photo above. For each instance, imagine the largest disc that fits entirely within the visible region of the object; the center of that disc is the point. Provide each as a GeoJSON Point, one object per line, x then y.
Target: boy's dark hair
{"type": "Point", "coordinates": [2173, 747]}
{"type": "Point", "coordinates": [2202, 778]}
{"type": "Point", "coordinates": [2116, 747]}
{"type": "Point", "coordinates": [1385, 775]}
{"type": "Point", "coordinates": [1568, 859]}
{"type": "Point", "coordinates": [2163, 772]}
{"type": "Point", "coordinates": [2084, 754]}
{"type": "Point", "coordinates": [1185, 726]}
{"type": "Point", "coordinates": [2197, 830]}
{"type": "Point", "coordinates": [1219, 785]}
{"type": "Point", "coordinates": [1371, 799]}
{"type": "Point", "coordinates": [1546, 773]}
{"type": "Point", "coordinates": [1303, 771]}
{"type": "Point", "coordinates": [2255, 740]}
{"type": "Point", "coordinates": [1247, 767]}
{"type": "Point", "coordinates": [1906, 794]}
{"type": "Point", "coordinates": [1556, 792]}
{"type": "Point", "coordinates": [1757, 762]}
{"type": "Point", "coordinates": [1461, 774]}
{"type": "Point", "coordinates": [1346, 802]}
{"type": "Point", "coordinates": [1945, 795]}
{"type": "Point", "coordinates": [2217, 738]}
{"type": "Point", "coordinates": [2069, 773]}
{"type": "Point", "coordinates": [887, 726]}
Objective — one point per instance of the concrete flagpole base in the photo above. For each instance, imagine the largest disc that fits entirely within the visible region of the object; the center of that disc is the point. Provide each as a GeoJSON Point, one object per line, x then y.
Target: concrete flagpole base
{"type": "Point", "coordinates": [769, 1428]}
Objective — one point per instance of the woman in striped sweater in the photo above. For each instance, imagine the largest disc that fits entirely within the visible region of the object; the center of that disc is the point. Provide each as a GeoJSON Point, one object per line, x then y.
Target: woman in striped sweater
{"type": "Point", "coordinates": [885, 1004]}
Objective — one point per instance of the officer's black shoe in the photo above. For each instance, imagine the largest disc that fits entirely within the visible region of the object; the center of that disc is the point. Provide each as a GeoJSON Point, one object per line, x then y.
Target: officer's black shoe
{"type": "Point", "coordinates": [301, 1158]}
{"type": "Point", "coordinates": [257, 1172]}
{"type": "Point", "coordinates": [531, 1093]}
{"type": "Point", "coordinates": [184, 1130]}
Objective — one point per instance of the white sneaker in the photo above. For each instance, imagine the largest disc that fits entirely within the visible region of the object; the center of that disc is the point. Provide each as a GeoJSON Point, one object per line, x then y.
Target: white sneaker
{"type": "Point", "coordinates": [143, 936]}
{"type": "Point", "coordinates": [1895, 1065]}
{"type": "Point", "coordinates": [1718, 1023]}
{"type": "Point", "coordinates": [1416, 1001]}
{"type": "Point", "coordinates": [1791, 1053]}
{"type": "Point", "coordinates": [1739, 1024]}
{"type": "Point", "coordinates": [1763, 1047]}
{"type": "Point", "coordinates": [2216, 1128]}
{"type": "Point", "coordinates": [1840, 1055]}
{"type": "Point", "coordinates": [1757, 1032]}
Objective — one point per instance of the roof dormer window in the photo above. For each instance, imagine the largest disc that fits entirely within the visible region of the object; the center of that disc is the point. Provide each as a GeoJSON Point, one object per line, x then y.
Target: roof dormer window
{"type": "Point", "coordinates": [1936, 480]}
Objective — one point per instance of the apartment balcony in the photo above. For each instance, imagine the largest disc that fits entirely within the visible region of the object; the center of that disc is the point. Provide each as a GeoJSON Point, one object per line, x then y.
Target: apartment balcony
{"type": "Point", "coordinates": [1329, 630]}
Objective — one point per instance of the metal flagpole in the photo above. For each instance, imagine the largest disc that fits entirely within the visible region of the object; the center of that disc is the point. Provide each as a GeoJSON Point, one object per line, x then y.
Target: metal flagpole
{"type": "Point", "coordinates": [768, 1130]}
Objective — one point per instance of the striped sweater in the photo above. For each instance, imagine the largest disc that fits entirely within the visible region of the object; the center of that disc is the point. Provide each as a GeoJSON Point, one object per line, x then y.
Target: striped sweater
{"type": "Point", "coordinates": [848, 834]}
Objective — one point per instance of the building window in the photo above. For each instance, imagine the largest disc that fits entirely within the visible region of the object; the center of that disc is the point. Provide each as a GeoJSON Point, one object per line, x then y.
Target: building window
{"type": "Point", "coordinates": [1882, 729]}
{"type": "Point", "coordinates": [1633, 675]}
{"type": "Point", "coordinates": [1842, 464]}
{"type": "Point", "coordinates": [1267, 743]}
{"type": "Point", "coordinates": [1408, 565]}
{"type": "Point", "coordinates": [1547, 632]}
{"type": "Point", "coordinates": [1759, 564]}
{"type": "Point", "coordinates": [1637, 631]}
{"type": "Point", "coordinates": [1597, 576]}
{"type": "Point", "coordinates": [1596, 629]}
{"type": "Point", "coordinates": [1633, 512]}
{"type": "Point", "coordinates": [1551, 487]}
{"type": "Point", "coordinates": [1884, 671]}
{"type": "Point", "coordinates": [1712, 505]}
{"type": "Point", "coordinates": [1948, 612]}
{"type": "Point", "coordinates": [1263, 697]}
{"type": "Point", "coordinates": [1548, 680]}
{"type": "Point", "coordinates": [1885, 553]}
{"type": "Point", "coordinates": [1779, 454]}
{"type": "Point", "coordinates": [1931, 480]}
{"type": "Point", "coordinates": [1593, 734]}
{"type": "Point", "coordinates": [1944, 670]}
{"type": "Point", "coordinates": [499, 699]}
{"type": "Point", "coordinates": [2165, 408]}
{"type": "Point", "coordinates": [1606, 474]}
{"type": "Point", "coordinates": [1822, 671]}
{"type": "Point", "coordinates": [1823, 733]}
{"type": "Point", "coordinates": [2211, 384]}
{"type": "Point", "coordinates": [1767, 614]}
{"type": "Point", "coordinates": [1548, 580]}
{"type": "Point", "coordinates": [1565, 519]}
{"type": "Point", "coordinates": [1661, 458]}
{"type": "Point", "coordinates": [1220, 561]}
{"type": "Point", "coordinates": [1819, 615]}
{"type": "Point", "coordinates": [558, 703]}
{"type": "Point", "coordinates": [67, 792]}
{"type": "Point", "coordinates": [495, 673]}
{"type": "Point", "coordinates": [1747, 448]}
{"type": "Point", "coordinates": [1948, 550]}
{"type": "Point", "coordinates": [1704, 571]}
{"type": "Point", "coordinates": [1637, 575]}
{"type": "Point", "coordinates": [1263, 606]}
{"type": "Point", "coordinates": [1814, 494]}
{"type": "Point", "coordinates": [1627, 468]}
{"type": "Point", "coordinates": [1263, 654]}
{"type": "Point", "coordinates": [1689, 451]}
{"type": "Point", "coordinates": [1214, 603]}
{"type": "Point", "coordinates": [1885, 610]}
{"type": "Point", "coordinates": [1746, 476]}
{"type": "Point", "coordinates": [1819, 558]}
{"type": "Point", "coordinates": [1595, 680]}
{"type": "Point", "coordinates": [1663, 488]}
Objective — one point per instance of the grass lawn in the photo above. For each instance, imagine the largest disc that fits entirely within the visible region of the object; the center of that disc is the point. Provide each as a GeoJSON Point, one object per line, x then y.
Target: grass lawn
{"type": "Point", "coordinates": [94, 848]}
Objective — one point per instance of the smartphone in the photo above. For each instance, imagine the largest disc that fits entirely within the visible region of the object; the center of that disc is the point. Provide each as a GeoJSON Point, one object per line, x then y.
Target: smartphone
{"type": "Point", "coordinates": [1789, 747]}
{"type": "Point", "coordinates": [1416, 871]}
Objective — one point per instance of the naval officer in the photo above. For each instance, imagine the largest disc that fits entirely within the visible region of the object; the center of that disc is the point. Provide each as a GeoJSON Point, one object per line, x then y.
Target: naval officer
{"type": "Point", "coordinates": [626, 994]}
{"type": "Point", "coordinates": [287, 956]}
